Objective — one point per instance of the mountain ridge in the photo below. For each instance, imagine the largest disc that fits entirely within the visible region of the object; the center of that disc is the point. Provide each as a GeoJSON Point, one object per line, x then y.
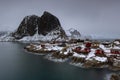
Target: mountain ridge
{"type": "Point", "coordinates": [32, 25]}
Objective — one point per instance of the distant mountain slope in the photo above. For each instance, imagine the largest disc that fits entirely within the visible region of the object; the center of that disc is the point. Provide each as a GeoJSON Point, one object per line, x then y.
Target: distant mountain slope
{"type": "Point", "coordinates": [3, 33]}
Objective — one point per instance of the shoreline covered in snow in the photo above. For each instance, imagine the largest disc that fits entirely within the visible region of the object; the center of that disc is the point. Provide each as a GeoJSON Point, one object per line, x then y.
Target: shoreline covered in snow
{"type": "Point", "coordinates": [79, 54]}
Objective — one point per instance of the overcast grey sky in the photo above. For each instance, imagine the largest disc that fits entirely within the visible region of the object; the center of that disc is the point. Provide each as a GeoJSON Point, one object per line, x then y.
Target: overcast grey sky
{"type": "Point", "coordinates": [99, 17]}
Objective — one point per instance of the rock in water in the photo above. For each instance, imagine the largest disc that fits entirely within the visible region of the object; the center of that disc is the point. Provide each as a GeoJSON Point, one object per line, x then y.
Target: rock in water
{"type": "Point", "coordinates": [115, 76]}
{"type": "Point", "coordinates": [27, 27]}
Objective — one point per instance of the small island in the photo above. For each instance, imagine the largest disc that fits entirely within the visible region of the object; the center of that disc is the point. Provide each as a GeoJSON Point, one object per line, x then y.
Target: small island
{"type": "Point", "coordinates": [83, 53]}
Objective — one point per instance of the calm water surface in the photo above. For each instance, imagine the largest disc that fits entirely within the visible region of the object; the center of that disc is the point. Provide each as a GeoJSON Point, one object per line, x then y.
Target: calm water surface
{"type": "Point", "coordinates": [16, 64]}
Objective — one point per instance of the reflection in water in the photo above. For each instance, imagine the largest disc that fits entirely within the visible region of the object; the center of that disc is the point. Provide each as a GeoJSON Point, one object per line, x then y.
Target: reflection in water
{"type": "Point", "coordinates": [16, 64]}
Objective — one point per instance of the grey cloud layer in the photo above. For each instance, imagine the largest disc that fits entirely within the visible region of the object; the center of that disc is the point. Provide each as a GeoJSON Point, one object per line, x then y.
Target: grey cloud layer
{"type": "Point", "coordinates": [100, 17]}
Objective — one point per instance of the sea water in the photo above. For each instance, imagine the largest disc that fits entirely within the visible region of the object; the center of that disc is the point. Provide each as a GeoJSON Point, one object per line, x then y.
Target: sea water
{"type": "Point", "coordinates": [17, 64]}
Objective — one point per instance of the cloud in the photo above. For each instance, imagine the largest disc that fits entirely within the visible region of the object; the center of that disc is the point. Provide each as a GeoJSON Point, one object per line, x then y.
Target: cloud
{"type": "Point", "coordinates": [100, 17]}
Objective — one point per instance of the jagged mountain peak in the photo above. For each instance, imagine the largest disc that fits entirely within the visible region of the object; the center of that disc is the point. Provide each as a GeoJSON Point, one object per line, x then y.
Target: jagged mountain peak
{"type": "Point", "coordinates": [43, 25]}
{"type": "Point", "coordinates": [27, 27]}
{"type": "Point", "coordinates": [46, 13]}
{"type": "Point", "coordinates": [47, 23]}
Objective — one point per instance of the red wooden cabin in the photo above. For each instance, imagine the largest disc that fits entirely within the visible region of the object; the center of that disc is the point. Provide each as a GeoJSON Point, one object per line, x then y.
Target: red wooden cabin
{"type": "Point", "coordinates": [115, 51]}
{"type": "Point", "coordinates": [77, 49]}
{"type": "Point", "coordinates": [88, 44]}
{"type": "Point", "coordinates": [99, 51]}
{"type": "Point", "coordinates": [86, 50]}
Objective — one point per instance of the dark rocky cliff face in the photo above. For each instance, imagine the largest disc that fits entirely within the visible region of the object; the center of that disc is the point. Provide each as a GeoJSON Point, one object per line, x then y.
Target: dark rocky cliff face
{"type": "Point", "coordinates": [42, 25]}
{"type": "Point", "coordinates": [47, 23]}
{"type": "Point", "coordinates": [27, 27]}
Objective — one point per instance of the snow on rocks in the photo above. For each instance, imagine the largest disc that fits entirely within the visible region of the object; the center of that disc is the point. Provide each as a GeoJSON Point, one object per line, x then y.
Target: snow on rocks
{"type": "Point", "coordinates": [38, 47]}
{"type": "Point", "coordinates": [78, 55]}
{"type": "Point", "coordinates": [28, 46]}
{"type": "Point", "coordinates": [51, 58]}
{"type": "Point", "coordinates": [105, 49]}
{"type": "Point", "coordinates": [66, 50]}
{"type": "Point", "coordinates": [57, 48]}
{"type": "Point", "coordinates": [117, 42]}
{"type": "Point", "coordinates": [77, 64]}
{"type": "Point", "coordinates": [116, 47]}
{"type": "Point", "coordinates": [91, 54]}
{"type": "Point", "coordinates": [100, 59]}
{"type": "Point", "coordinates": [43, 48]}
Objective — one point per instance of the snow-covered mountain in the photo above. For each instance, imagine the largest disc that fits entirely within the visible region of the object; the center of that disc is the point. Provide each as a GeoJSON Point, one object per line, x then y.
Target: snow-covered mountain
{"type": "Point", "coordinates": [3, 33]}
{"type": "Point", "coordinates": [75, 34]}
{"type": "Point", "coordinates": [6, 36]}
{"type": "Point", "coordinates": [35, 28]}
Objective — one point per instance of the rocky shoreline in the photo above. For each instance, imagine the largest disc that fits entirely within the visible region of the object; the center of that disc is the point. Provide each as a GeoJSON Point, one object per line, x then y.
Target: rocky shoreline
{"type": "Point", "coordinates": [84, 59]}
{"type": "Point", "coordinates": [114, 76]}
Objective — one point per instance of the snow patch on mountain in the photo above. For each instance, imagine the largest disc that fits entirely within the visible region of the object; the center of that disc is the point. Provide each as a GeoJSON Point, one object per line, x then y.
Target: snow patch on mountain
{"type": "Point", "coordinates": [75, 34]}
{"type": "Point", "coordinates": [50, 36]}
